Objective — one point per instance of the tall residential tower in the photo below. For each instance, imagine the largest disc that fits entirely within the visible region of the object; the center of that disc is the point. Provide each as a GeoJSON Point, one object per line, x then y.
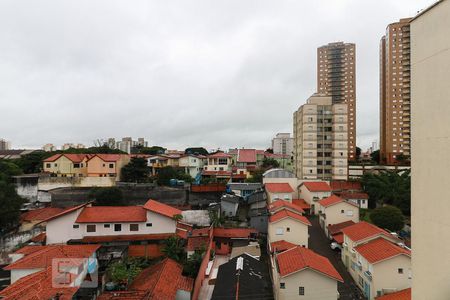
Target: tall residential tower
{"type": "Point", "coordinates": [395, 92]}
{"type": "Point", "coordinates": [320, 139]}
{"type": "Point", "coordinates": [336, 67]}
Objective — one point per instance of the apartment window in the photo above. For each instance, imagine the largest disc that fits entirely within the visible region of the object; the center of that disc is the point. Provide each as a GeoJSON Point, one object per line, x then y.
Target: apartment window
{"type": "Point", "coordinates": [76, 166]}
{"type": "Point", "coordinates": [104, 165]}
{"type": "Point", "coordinates": [106, 225]}
{"type": "Point", "coordinates": [149, 224]}
{"type": "Point", "coordinates": [279, 231]}
{"type": "Point", "coordinates": [48, 165]}
{"type": "Point", "coordinates": [90, 228]}
{"type": "Point", "coordinates": [282, 285]}
{"type": "Point", "coordinates": [400, 270]}
{"type": "Point", "coordinates": [223, 161]}
{"type": "Point", "coordinates": [117, 227]}
{"type": "Point", "coordinates": [134, 227]}
{"type": "Point", "coordinates": [75, 226]}
{"type": "Point", "coordinates": [56, 164]}
{"type": "Point", "coordinates": [342, 211]}
{"type": "Point", "coordinates": [301, 290]}
{"type": "Point", "coordinates": [111, 166]}
{"type": "Point", "coordinates": [361, 281]}
{"type": "Point", "coordinates": [288, 229]}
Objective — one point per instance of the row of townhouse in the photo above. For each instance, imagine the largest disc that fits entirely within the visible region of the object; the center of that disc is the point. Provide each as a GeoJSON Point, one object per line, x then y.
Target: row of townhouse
{"type": "Point", "coordinates": [85, 165]}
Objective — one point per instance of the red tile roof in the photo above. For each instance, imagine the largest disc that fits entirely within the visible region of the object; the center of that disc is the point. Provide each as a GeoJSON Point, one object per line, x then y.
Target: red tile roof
{"type": "Point", "coordinates": [66, 211]}
{"type": "Point", "coordinates": [36, 286]}
{"type": "Point", "coordinates": [380, 249]}
{"type": "Point", "coordinates": [40, 238]}
{"type": "Point", "coordinates": [52, 158]}
{"type": "Point", "coordinates": [108, 157]}
{"type": "Point", "coordinates": [126, 238]}
{"type": "Point", "coordinates": [40, 214]}
{"type": "Point", "coordinates": [299, 258]}
{"type": "Point", "coordinates": [400, 295]}
{"type": "Point", "coordinates": [76, 158]}
{"type": "Point", "coordinates": [283, 214]}
{"type": "Point", "coordinates": [345, 185]}
{"type": "Point", "coordinates": [281, 204]}
{"type": "Point", "coordinates": [234, 232]}
{"type": "Point", "coordinates": [336, 228]}
{"type": "Point", "coordinates": [333, 199]}
{"type": "Point", "coordinates": [29, 249]}
{"type": "Point", "coordinates": [282, 245]}
{"type": "Point", "coordinates": [278, 188]}
{"type": "Point", "coordinates": [363, 230]}
{"type": "Point", "coordinates": [317, 186]}
{"type": "Point", "coordinates": [246, 155]}
{"type": "Point", "coordinates": [43, 257]}
{"type": "Point", "coordinates": [219, 155]}
{"type": "Point", "coordinates": [347, 195]}
{"type": "Point", "coordinates": [161, 208]}
{"type": "Point", "coordinates": [301, 203]}
{"type": "Point", "coordinates": [216, 173]}
{"type": "Point", "coordinates": [338, 237]}
{"type": "Point", "coordinates": [110, 214]}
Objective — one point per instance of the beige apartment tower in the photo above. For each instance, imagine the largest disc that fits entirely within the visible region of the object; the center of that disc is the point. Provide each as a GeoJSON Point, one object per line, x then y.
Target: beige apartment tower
{"type": "Point", "coordinates": [395, 92]}
{"type": "Point", "coordinates": [336, 67]}
{"type": "Point", "coordinates": [430, 99]}
{"type": "Point", "coordinates": [321, 139]}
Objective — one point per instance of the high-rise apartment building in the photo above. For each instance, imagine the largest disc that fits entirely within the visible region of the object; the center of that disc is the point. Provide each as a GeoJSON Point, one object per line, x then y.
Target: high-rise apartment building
{"type": "Point", "coordinates": [321, 139]}
{"type": "Point", "coordinates": [430, 93]}
{"type": "Point", "coordinates": [395, 92]}
{"type": "Point", "coordinates": [336, 69]}
{"type": "Point", "coordinates": [4, 145]}
{"type": "Point", "coordinates": [283, 143]}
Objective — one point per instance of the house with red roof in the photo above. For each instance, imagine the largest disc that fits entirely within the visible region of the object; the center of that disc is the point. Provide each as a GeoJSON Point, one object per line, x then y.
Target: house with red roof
{"type": "Point", "coordinates": [359, 198]}
{"type": "Point", "coordinates": [279, 205]}
{"type": "Point", "coordinates": [33, 217]}
{"type": "Point", "coordinates": [106, 165]}
{"type": "Point", "coordinates": [288, 225]}
{"type": "Point", "coordinates": [301, 273]}
{"type": "Point", "coordinates": [335, 210]}
{"type": "Point", "coordinates": [378, 261]}
{"type": "Point", "coordinates": [279, 190]}
{"type": "Point", "coordinates": [400, 295]}
{"type": "Point", "coordinates": [312, 192]}
{"type": "Point", "coordinates": [88, 224]}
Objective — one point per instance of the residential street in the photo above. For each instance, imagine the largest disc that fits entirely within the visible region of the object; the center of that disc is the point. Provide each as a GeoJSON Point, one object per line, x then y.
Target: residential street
{"type": "Point", "coordinates": [319, 243]}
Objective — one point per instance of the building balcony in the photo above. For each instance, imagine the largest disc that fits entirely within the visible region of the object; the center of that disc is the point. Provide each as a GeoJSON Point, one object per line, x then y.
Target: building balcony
{"type": "Point", "coordinates": [368, 275]}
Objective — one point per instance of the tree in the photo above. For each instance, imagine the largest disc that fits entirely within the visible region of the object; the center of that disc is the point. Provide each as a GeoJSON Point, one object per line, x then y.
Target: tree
{"type": "Point", "coordinates": [173, 248]}
{"type": "Point", "coordinates": [389, 187]}
{"type": "Point", "coordinates": [257, 176]}
{"type": "Point", "coordinates": [269, 163]}
{"type": "Point", "coordinates": [136, 171]}
{"type": "Point", "coordinates": [193, 263]}
{"type": "Point", "coordinates": [401, 158]}
{"type": "Point", "coordinates": [123, 272]}
{"type": "Point", "coordinates": [358, 153]}
{"type": "Point", "coordinates": [32, 162]}
{"type": "Point", "coordinates": [165, 174]}
{"type": "Point", "coordinates": [10, 202]}
{"type": "Point", "coordinates": [389, 217]}
{"type": "Point", "coordinates": [196, 150]}
{"type": "Point", "coordinates": [375, 155]}
{"type": "Point", "coordinates": [107, 196]}
{"type": "Point", "coordinates": [154, 150]}
{"type": "Point", "coordinates": [269, 150]}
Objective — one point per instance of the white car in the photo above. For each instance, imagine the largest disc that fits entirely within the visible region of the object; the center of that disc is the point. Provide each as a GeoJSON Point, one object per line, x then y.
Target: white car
{"type": "Point", "coordinates": [335, 246]}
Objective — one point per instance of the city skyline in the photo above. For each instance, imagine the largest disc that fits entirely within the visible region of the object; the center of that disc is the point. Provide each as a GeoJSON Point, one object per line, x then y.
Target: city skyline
{"type": "Point", "coordinates": [180, 83]}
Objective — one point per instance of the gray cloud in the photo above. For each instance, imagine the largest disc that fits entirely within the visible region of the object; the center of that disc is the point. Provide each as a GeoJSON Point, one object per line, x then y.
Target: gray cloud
{"type": "Point", "coordinates": [210, 73]}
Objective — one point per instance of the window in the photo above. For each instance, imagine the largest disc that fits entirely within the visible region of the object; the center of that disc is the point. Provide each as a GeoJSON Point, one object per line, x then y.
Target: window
{"type": "Point", "coordinates": [149, 224]}
{"type": "Point", "coordinates": [117, 227]}
{"type": "Point", "coordinates": [76, 166]}
{"type": "Point", "coordinates": [342, 211]}
{"type": "Point", "coordinates": [111, 166]}
{"type": "Point", "coordinates": [279, 231]}
{"type": "Point", "coordinates": [106, 225]}
{"type": "Point", "coordinates": [361, 281]}
{"type": "Point", "coordinates": [282, 285]}
{"type": "Point", "coordinates": [349, 213]}
{"type": "Point", "coordinates": [48, 165]}
{"type": "Point", "coordinates": [90, 228]}
{"type": "Point", "coordinates": [223, 161]}
{"type": "Point", "coordinates": [400, 270]}
{"type": "Point", "coordinates": [104, 165]}
{"type": "Point", "coordinates": [76, 226]}
{"type": "Point", "coordinates": [134, 227]}
{"type": "Point", "coordinates": [301, 290]}
{"type": "Point", "coordinates": [56, 165]}
{"type": "Point", "coordinates": [288, 229]}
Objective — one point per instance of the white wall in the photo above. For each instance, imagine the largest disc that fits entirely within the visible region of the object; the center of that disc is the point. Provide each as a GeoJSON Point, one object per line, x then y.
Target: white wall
{"type": "Point", "coordinates": [298, 232]}
{"type": "Point", "coordinates": [60, 230]}
{"type": "Point", "coordinates": [19, 273]}
{"type": "Point", "coordinates": [309, 196]}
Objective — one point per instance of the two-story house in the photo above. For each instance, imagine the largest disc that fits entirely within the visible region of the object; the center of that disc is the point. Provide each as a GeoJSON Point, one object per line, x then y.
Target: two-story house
{"type": "Point", "coordinates": [376, 260]}
{"type": "Point", "coordinates": [300, 273]}
{"type": "Point", "coordinates": [86, 223]}
{"type": "Point", "coordinates": [106, 165]}
{"type": "Point", "coordinates": [313, 191]}
{"type": "Point", "coordinates": [335, 210]}
{"type": "Point", "coordinates": [277, 191]}
{"type": "Point", "coordinates": [66, 165]}
{"type": "Point", "coordinates": [287, 225]}
{"type": "Point", "coordinates": [191, 164]}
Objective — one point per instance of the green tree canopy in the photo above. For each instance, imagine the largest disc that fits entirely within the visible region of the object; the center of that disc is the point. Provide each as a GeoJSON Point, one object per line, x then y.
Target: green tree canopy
{"type": "Point", "coordinates": [358, 152]}
{"type": "Point", "coordinates": [153, 150]}
{"type": "Point", "coordinates": [10, 202]}
{"type": "Point", "coordinates": [196, 150]}
{"type": "Point", "coordinates": [375, 155]}
{"type": "Point", "coordinates": [32, 162]}
{"type": "Point", "coordinates": [270, 163]}
{"type": "Point", "coordinates": [107, 196]}
{"type": "Point", "coordinates": [388, 217]}
{"type": "Point", "coordinates": [389, 187]}
{"type": "Point", "coordinates": [165, 174]}
{"type": "Point", "coordinates": [173, 248]}
{"type": "Point", "coordinates": [136, 171]}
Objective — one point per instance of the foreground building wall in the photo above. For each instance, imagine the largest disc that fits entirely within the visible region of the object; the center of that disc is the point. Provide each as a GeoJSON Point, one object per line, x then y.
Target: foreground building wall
{"type": "Point", "coordinates": [430, 62]}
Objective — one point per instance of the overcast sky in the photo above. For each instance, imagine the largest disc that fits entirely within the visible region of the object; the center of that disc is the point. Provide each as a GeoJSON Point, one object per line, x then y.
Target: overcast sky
{"type": "Point", "coordinates": [179, 73]}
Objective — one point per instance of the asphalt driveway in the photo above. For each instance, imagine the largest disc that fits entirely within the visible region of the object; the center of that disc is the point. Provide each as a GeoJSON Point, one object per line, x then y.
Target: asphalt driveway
{"type": "Point", "coordinates": [320, 244]}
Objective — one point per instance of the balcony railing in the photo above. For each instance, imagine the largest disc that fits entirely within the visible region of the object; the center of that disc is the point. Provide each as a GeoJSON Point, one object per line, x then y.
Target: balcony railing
{"type": "Point", "coordinates": [368, 275]}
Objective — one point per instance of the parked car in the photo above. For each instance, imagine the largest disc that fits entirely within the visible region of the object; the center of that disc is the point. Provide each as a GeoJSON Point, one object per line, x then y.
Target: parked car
{"type": "Point", "coordinates": [335, 246]}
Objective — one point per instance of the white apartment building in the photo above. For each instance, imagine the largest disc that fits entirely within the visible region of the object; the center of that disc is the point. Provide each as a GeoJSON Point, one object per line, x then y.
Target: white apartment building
{"type": "Point", "coordinates": [321, 139]}
{"type": "Point", "coordinates": [283, 143]}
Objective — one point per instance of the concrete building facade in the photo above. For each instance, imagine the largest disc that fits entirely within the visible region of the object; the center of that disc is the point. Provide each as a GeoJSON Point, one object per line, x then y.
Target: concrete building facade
{"type": "Point", "coordinates": [4, 145]}
{"type": "Point", "coordinates": [430, 90]}
{"type": "Point", "coordinates": [283, 143]}
{"type": "Point", "coordinates": [321, 139]}
{"type": "Point", "coordinates": [336, 68]}
{"type": "Point", "coordinates": [395, 92]}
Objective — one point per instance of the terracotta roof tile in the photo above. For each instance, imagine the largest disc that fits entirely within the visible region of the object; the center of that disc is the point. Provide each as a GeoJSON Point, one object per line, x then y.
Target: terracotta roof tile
{"type": "Point", "coordinates": [43, 257]}
{"type": "Point", "coordinates": [66, 211]}
{"type": "Point", "coordinates": [338, 237]}
{"type": "Point", "coordinates": [219, 155]}
{"type": "Point", "coordinates": [161, 208]}
{"type": "Point", "coordinates": [110, 214]}
{"type": "Point", "coordinates": [288, 214]}
{"type": "Point", "coordinates": [301, 203]}
{"type": "Point", "coordinates": [299, 258]}
{"type": "Point", "coordinates": [317, 186]}
{"type": "Point", "coordinates": [109, 157]}
{"type": "Point", "coordinates": [363, 230]}
{"type": "Point", "coordinates": [282, 245]}
{"type": "Point", "coordinates": [246, 155]}
{"type": "Point", "coordinates": [333, 199]}
{"type": "Point", "coordinates": [380, 249]}
{"type": "Point", "coordinates": [40, 214]}
{"type": "Point", "coordinates": [281, 204]}
{"type": "Point", "coordinates": [278, 188]}
{"type": "Point", "coordinates": [40, 238]}
{"type": "Point", "coordinates": [52, 158]}
{"type": "Point", "coordinates": [400, 295]}
{"type": "Point", "coordinates": [336, 228]}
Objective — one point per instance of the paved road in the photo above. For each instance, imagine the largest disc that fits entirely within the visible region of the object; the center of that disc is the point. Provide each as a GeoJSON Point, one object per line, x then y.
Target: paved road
{"type": "Point", "coordinates": [320, 244]}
